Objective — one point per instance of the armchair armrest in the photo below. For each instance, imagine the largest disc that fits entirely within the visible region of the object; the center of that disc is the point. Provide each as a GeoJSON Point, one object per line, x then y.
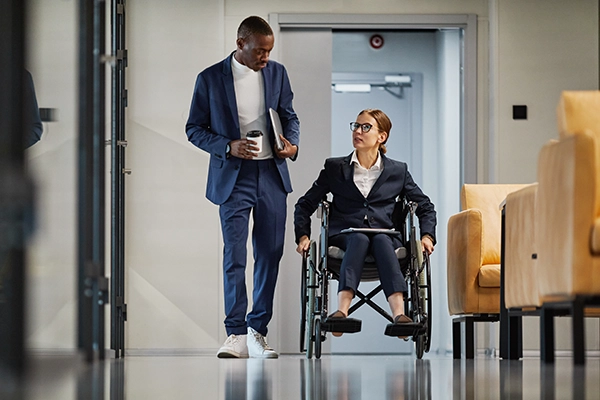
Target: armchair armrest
{"type": "Point", "coordinates": [464, 260]}
{"type": "Point", "coordinates": [521, 280]}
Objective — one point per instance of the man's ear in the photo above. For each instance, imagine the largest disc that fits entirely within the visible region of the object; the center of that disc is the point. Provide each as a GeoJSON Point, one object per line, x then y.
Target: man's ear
{"type": "Point", "coordinates": [240, 43]}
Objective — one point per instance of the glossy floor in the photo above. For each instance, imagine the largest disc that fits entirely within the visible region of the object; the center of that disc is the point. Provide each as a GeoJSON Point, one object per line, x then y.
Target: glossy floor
{"type": "Point", "coordinates": [292, 377]}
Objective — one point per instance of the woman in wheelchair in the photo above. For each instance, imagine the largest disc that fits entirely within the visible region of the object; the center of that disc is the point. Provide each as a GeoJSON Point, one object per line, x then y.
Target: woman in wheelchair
{"type": "Point", "coordinates": [365, 186]}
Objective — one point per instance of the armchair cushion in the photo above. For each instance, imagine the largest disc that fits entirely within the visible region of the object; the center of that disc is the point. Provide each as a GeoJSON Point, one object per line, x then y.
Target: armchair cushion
{"type": "Point", "coordinates": [489, 276]}
{"type": "Point", "coordinates": [487, 198]}
{"type": "Point", "coordinates": [578, 111]}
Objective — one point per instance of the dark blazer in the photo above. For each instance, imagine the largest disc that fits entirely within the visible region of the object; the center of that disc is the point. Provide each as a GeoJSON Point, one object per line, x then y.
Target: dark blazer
{"type": "Point", "coordinates": [213, 122]}
{"type": "Point", "coordinates": [349, 206]}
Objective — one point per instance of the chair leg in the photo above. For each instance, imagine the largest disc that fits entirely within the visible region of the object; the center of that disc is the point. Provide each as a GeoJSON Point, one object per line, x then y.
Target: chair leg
{"type": "Point", "coordinates": [547, 335]}
{"type": "Point", "coordinates": [456, 342]}
{"type": "Point", "coordinates": [515, 338]}
{"type": "Point", "coordinates": [578, 332]}
{"type": "Point", "coordinates": [469, 338]}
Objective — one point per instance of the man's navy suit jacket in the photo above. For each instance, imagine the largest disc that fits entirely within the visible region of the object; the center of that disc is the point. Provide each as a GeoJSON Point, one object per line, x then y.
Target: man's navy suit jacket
{"type": "Point", "coordinates": [213, 122]}
{"type": "Point", "coordinates": [349, 206]}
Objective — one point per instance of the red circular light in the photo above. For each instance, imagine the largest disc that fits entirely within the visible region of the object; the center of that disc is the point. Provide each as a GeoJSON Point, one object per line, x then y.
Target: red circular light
{"type": "Point", "coordinates": [376, 41]}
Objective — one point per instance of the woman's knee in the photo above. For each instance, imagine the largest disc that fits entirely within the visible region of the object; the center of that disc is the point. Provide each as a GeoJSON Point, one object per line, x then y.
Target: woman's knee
{"type": "Point", "coordinates": [383, 242]}
{"type": "Point", "coordinates": [357, 239]}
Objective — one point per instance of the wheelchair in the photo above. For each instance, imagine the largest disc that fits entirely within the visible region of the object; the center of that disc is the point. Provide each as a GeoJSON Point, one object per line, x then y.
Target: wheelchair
{"type": "Point", "coordinates": [322, 263]}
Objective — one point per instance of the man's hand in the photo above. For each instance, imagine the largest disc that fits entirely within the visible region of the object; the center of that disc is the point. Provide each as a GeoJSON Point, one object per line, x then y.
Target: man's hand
{"type": "Point", "coordinates": [289, 150]}
{"type": "Point", "coordinates": [427, 244]}
{"type": "Point", "coordinates": [303, 245]}
{"type": "Point", "coordinates": [243, 148]}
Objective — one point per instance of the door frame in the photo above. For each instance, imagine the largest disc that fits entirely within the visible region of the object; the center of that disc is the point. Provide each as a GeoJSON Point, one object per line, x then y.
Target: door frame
{"type": "Point", "coordinates": [466, 22]}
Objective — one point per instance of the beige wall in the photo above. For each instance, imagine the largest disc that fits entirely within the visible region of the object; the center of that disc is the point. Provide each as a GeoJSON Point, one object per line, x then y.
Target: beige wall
{"type": "Point", "coordinates": [533, 49]}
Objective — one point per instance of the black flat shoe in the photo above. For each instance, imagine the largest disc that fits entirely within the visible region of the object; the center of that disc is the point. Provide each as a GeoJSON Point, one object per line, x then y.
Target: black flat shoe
{"type": "Point", "coordinates": [337, 315]}
{"type": "Point", "coordinates": [338, 323]}
{"type": "Point", "coordinates": [402, 319]}
{"type": "Point", "coordinates": [403, 327]}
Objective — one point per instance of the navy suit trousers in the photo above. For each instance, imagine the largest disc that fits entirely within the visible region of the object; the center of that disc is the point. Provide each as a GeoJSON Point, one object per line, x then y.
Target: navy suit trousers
{"type": "Point", "coordinates": [357, 246]}
{"type": "Point", "coordinates": [258, 192]}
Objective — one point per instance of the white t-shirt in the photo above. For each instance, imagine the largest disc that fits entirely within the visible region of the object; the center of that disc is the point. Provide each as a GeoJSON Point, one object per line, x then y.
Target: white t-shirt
{"type": "Point", "coordinates": [364, 178]}
{"type": "Point", "coordinates": [250, 100]}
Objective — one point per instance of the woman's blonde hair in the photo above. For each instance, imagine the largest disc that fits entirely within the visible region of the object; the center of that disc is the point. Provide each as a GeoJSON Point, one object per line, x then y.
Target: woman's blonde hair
{"type": "Point", "coordinates": [383, 123]}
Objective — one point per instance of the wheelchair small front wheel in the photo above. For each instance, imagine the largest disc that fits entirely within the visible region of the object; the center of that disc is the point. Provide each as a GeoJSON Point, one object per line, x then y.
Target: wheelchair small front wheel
{"type": "Point", "coordinates": [318, 338]}
{"type": "Point", "coordinates": [420, 346]}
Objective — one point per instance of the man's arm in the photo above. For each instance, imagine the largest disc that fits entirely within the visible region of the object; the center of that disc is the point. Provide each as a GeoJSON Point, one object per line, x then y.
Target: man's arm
{"type": "Point", "coordinates": [198, 127]}
{"type": "Point", "coordinates": [289, 120]}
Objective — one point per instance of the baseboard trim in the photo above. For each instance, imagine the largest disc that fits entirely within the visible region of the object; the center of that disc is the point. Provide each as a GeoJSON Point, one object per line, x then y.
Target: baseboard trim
{"type": "Point", "coordinates": [536, 353]}
{"type": "Point", "coordinates": [170, 352]}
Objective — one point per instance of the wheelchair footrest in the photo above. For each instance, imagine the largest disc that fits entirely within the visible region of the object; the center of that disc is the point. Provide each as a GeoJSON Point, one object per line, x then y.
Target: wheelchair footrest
{"type": "Point", "coordinates": [345, 325]}
{"type": "Point", "coordinates": [406, 329]}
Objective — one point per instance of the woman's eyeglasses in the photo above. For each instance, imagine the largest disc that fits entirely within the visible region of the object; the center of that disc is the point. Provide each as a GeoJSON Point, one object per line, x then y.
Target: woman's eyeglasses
{"type": "Point", "coordinates": [363, 127]}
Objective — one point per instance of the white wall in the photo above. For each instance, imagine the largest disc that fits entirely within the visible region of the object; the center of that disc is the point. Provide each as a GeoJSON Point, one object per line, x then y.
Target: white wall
{"type": "Point", "coordinates": [538, 48]}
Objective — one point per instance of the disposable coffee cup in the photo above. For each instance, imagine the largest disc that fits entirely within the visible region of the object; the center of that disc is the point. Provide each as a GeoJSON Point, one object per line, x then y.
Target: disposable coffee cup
{"type": "Point", "coordinates": [257, 136]}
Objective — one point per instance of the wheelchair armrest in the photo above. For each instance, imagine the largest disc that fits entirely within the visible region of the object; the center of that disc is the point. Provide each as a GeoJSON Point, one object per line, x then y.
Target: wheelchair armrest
{"type": "Point", "coordinates": [323, 210]}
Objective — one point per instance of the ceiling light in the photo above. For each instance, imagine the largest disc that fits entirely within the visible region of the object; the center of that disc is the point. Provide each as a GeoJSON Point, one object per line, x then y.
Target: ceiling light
{"type": "Point", "coordinates": [352, 87]}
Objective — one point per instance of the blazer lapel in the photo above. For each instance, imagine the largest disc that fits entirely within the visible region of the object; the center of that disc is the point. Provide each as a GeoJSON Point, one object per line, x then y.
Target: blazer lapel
{"type": "Point", "coordinates": [230, 92]}
{"type": "Point", "coordinates": [385, 174]}
{"type": "Point", "coordinates": [348, 170]}
{"type": "Point", "coordinates": [348, 174]}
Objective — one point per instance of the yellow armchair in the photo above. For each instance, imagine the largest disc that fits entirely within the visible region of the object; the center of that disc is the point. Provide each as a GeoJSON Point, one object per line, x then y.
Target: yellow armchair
{"type": "Point", "coordinates": [568, 228]}
{"type": "Point", "coordinates": [473, 260]}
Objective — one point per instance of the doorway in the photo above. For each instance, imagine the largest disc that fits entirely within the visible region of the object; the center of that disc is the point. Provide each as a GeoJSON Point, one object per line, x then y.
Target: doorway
{"type": "Point", "coordinates": [439, 146]}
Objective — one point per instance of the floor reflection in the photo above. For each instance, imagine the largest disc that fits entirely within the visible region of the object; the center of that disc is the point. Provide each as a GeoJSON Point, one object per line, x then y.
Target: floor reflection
{"type": "Point", "coordinates": [292, 377]}
{"type": "Point", "coordinates": [93, 380]}
{"type": "Point", "coordinates": [90, 382]}
{"type": "Point", "coordinates": [412, 383]}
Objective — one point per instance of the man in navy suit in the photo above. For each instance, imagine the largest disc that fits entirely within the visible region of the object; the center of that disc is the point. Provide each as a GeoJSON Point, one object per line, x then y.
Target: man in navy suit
{"type": "Point", "coordinates": [231, 99]}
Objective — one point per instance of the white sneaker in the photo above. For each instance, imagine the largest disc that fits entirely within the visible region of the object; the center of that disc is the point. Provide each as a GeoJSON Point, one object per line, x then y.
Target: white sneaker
{"type": "Point", "coordinates": [234, 347]}
{"type": "Point", "coordinates": [258, 347]}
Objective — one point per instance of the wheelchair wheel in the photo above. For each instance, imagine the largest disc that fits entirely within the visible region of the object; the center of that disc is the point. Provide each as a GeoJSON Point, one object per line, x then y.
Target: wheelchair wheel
{"type": "Point", "coordinates": [310, 300]}
{"type": "Point", "coordinates": [303, 301]}
{"type": "Point", "coordinates": [422, 309]}
{"type": "Point", "coordinates": [318, 338]}
{"type": "Point", "coordinates": [425, 288]}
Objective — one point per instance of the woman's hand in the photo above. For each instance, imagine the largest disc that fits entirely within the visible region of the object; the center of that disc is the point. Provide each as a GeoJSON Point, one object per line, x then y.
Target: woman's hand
{"type": "Point", "coordinates": [427, 244]}
{"type": "Point", "coordinates": [303, 245]}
